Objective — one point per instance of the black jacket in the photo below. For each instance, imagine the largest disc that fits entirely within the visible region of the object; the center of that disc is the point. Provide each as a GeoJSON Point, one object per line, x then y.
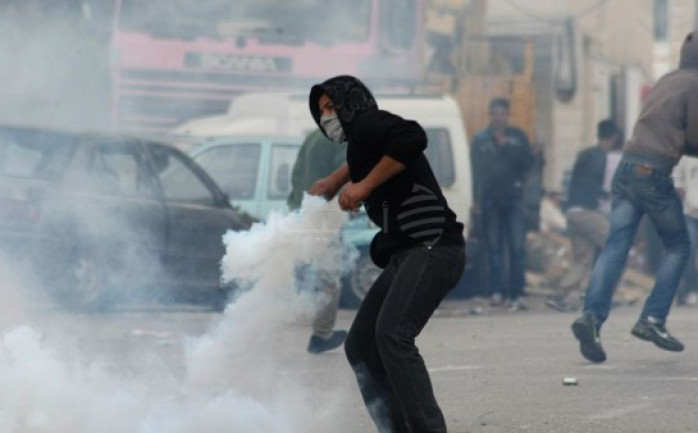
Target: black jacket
{"type": "Point", "coordinates": [586, 183]}
{"type": "Point", "coordinates": [499, 171]}
{"type": "Point", "coordinates": [410, 207]}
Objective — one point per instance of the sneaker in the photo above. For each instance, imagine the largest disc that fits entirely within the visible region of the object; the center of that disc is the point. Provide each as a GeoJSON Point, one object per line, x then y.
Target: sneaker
{"type": "Point", "coordinates": [318, 345]}
{"type": "Point", "coordinates": [587, 332]}
{"type": "Point", "coordinates": [657, 334]}
{"type": "Point", "coordinates": [556, 304]}
{"type": "Point", "coordinates": [517, 306]}
{"type": "Point", "coordinates": [496, 300]}
{"type": "Point", "coordinates": [691, 298]}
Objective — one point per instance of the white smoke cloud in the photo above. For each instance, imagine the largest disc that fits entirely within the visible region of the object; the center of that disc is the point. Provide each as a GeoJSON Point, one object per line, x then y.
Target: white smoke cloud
{"type": "Point", "coordinates": [234, 379]}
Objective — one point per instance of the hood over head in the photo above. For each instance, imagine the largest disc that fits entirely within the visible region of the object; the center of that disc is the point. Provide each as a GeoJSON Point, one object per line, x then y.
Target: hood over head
{"type": "Point", "coordinates": [349, 96]}
{"type": "Point", "coordinates": [689, 52]}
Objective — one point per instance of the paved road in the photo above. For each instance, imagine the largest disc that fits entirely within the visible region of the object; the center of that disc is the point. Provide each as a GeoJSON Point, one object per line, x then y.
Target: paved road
{"type": "Point", "coordinates": [493, 373]}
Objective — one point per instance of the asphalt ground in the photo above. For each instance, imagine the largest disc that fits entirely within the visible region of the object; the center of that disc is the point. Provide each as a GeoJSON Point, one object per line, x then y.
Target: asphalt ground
{"type": "Point", "coordinates": [493, 372]}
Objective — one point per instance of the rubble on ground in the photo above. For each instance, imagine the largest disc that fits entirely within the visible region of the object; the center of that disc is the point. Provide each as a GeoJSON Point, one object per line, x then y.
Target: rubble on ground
{"type": "Point", "coordinates": [549, 257]}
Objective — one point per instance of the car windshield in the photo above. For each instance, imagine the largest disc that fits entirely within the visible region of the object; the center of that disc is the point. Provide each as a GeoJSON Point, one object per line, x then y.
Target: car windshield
{"type": "Point", "coordinates": [34, 154]}
{"type": "Point", "coordinates": [270, 21]}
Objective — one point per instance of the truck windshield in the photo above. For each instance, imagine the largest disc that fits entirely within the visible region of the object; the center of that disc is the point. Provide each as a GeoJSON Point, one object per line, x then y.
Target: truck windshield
{"type": "Point", "coordinates": [268, 21]}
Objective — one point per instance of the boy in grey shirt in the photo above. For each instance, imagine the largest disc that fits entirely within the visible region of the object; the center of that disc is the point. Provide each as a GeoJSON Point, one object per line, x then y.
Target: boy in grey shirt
{"type": "Point", "coordinates": [666, 130]}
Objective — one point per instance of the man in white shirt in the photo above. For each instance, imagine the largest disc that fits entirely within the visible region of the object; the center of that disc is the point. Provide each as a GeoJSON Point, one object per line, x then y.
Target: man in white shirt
{"type": "Point", "coordinates": [686, 181]}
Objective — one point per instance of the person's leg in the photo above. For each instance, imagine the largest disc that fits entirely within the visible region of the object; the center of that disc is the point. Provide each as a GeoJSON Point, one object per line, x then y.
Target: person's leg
{"type": "Point", "coordinates": [590, 230]}
{"type": "Point", "coordinates": [493, 231]}
{"type": "Point", "coordinates": [327, 303]}
{"type": "Point", "coordinates": [665, 211]}
{"type": "Point", "coordinates": [423, 278]}
{"type": "Point", "coordinates": [690, 274]}
{"type": "Point", "coordinates": [625, 218]}
{"type": "Point", "coordinates": [516, 240]}
{"type": "Point", "coordinates": [583, 255]}
{"type": "Point", "coordinates": [656, 193]}
{"type": "Point", "coordinates": [324, 336]}
{"type": "Point", "coordinates": [364, 359]}
{"type": "Point", "coordinates": [609, 266]}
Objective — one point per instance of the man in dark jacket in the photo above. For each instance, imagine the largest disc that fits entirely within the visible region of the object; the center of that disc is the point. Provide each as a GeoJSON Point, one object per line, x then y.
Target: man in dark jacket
{"type": "Point", "coordinates": [317, 158]}
{"type": "Point", "coordinates": [666, 129]}
{"type": "Point", "coordinates": [501, 158]}
{"type": "Point", "coordinates": [587, 226]}
{"type": "Point", "coordinates": [420, 247]}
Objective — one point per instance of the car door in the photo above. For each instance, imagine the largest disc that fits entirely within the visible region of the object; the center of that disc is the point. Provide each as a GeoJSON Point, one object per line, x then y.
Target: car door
{"type": "Point", "coordinates": [125, 209]}
{"type": "Point", "coordinates": [198, 215]}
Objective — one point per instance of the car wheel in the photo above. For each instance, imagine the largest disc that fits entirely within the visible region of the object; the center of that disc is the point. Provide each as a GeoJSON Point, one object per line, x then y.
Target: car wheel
{"type": "Point", "coordinates": [85, 284]}
{"type": "Point", "coordinates": [360, 281]}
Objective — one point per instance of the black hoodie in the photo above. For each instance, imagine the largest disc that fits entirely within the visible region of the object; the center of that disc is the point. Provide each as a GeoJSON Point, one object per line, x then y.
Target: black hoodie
{"type": "Point", "coordinates": [410, 207]}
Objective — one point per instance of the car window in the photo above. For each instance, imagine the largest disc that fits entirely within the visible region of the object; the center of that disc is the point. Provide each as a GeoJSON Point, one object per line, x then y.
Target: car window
{"type": "Point", "coordinates": [35, 154]}
{"type": "Point", "coordinates": [179, 182]}
{"type": "Point", "coordinates": [283, 157]}
{"type": "Point", "coordinates": [117, 166]}
{"type": "Point", "coordinates": [440, 155]}
{"type": "Point", "coordinates": [234, 168]}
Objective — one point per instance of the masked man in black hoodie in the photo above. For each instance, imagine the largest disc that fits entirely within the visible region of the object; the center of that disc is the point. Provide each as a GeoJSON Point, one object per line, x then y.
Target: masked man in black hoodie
{"type": "Point", "coordinates": [420, 248]}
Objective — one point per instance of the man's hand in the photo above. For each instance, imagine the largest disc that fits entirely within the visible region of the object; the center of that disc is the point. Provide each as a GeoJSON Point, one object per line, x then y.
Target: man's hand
{"type": "Point", "coordinates": [352, 195]}
{"type": "Point", "coordinates": [324, 187]}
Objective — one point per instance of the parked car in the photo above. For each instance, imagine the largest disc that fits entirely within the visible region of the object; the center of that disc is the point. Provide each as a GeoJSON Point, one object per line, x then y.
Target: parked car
{"type": "Point", "coordinates": [105, 217]}
{"type": "Point", "coordinates": [255, 172]}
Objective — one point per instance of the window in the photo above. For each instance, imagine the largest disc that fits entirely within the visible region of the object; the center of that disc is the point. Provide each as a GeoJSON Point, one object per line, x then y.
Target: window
{"type": "Point", "coordinates": [34, 154]}
{"type": "Point", "coordinates": [283, 156]}
{"type": "Point", "coordinates": [440, 155]}
{"type": "Point", "coordinates": [117, 167]}
{"type": "Point", "coordinates": [179, 182]}
{"type": "Point", "coordinates": [661, 20]}
{"type": "Point", "coordinates": [233, 167]}
{"type": "Point", "coordinates": [270, 21]}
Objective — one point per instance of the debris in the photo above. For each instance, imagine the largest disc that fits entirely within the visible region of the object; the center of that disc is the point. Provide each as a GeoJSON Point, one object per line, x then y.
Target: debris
{"type": "Point", "coordinates": [569, 381]}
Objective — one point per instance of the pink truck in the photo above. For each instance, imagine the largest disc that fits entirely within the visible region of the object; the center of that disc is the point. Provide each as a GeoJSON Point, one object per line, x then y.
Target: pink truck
{"type": "Point", "coordinates": [173, 60]}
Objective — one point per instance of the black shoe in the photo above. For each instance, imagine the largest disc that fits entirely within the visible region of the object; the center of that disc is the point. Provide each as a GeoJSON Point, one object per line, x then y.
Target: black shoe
{"type": "Point", "coordinates": [657, 334]}
{"type": "Point", "coordinates": [318, 345]}
{"type": "Point", "coordinates": [586, 331]}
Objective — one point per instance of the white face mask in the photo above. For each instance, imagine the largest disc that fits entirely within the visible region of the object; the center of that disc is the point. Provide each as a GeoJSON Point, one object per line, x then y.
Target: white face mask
{"type": "Point", "coordinates": [333, 128]}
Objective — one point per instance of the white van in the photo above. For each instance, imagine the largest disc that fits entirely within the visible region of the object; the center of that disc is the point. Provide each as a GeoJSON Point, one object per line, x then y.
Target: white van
{"type": "Point", "coordinates": [276, 123]}
{"type": "Point", "coordinates": [287, 114]}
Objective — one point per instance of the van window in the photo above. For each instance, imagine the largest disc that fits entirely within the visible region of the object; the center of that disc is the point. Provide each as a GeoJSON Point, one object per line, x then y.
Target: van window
{"type": "Point", "coordinates": [440, 155]}
{"type": "Point", "coordinates": [179, 182]}
{"type": "Point", "coordinates": [283, 156]}
{"type": "Point", "coordinates": [233, 168]}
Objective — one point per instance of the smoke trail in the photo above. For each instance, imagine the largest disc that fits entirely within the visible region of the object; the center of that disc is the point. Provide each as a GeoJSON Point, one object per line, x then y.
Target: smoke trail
{"type": "Point", "coordinates": [234, 380]}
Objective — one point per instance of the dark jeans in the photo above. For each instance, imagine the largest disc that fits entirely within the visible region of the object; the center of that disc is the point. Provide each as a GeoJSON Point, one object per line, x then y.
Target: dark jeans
{"type": "Point", "coordinates": [505, 228]}
{"type": "Point", "coordinates": [381, 349]}
{"type": "Point", "coordinates": [638, 191]}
